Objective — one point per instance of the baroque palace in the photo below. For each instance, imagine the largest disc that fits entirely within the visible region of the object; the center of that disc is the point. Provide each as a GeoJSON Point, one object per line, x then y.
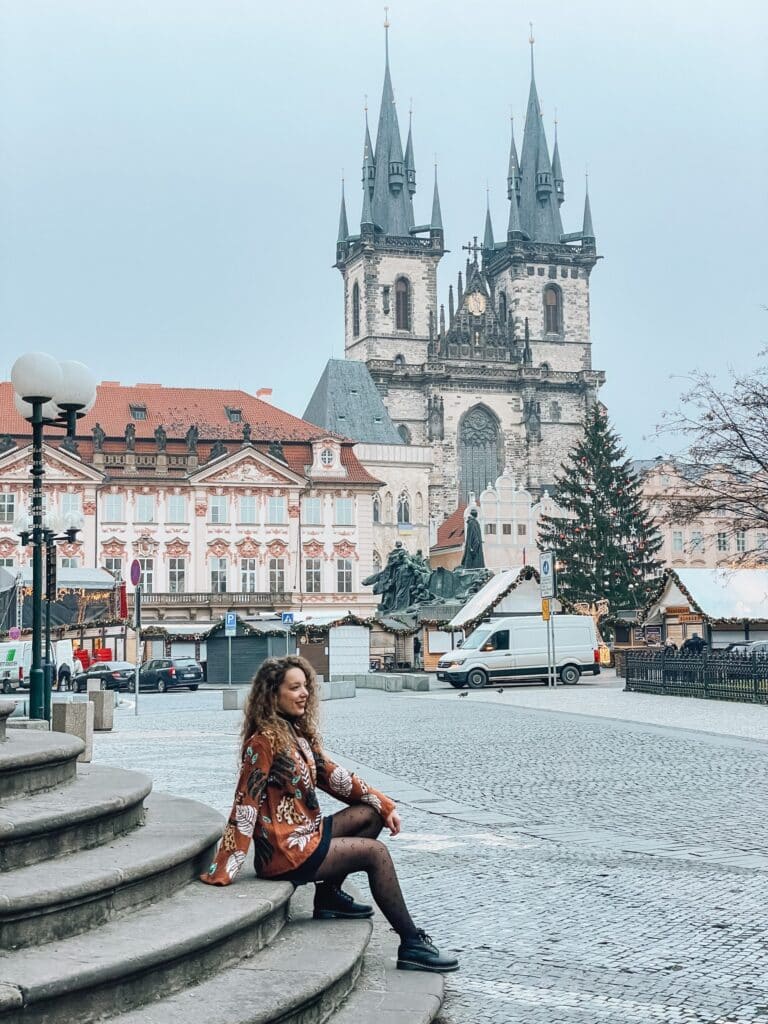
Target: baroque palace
{"type": "Point", "coordinates": [500, 381]}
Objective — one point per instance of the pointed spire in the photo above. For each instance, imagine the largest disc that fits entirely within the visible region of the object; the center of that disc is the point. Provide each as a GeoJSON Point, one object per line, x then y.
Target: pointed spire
{"type": "Point", "coordinates": [436, 224]}
{"type": "Point", "coordinates": [343, 225]}
{"type": "Point", "coordinates": [391, 206]}
{"type": "Point", "coordinates": [369, 167]}
{"type": "Point", "coordinates": [557, 170]}
{"type": "Point", "coordinates": [587, 230]}
{"type": "Point", "coordinates": [410, 165]}
{"type": "Point", "coordinates": [513, 172]}
{"type": "Point", "coordinates": [460, 290]}
{"type": "Point", "coordinates": [488, 236]}
{"type": "Point", "coordinates": [451, 307]}
{"type": "Point", "coordinates": [366, 220]}
{"type": "Point", "coordinates": [514, 230]}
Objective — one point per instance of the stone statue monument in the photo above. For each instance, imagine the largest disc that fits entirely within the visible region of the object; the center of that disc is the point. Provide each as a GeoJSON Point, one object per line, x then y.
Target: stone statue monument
{"type": "Point", "coordinates": [473, 543]}
{"type": "Point", "coordinates": [161, 438]}
{"type": "Point", "coordinates": [98, 438]}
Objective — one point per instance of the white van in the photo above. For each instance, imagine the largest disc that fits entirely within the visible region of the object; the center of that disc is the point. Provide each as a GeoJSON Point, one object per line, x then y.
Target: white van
{"type": "Point", "coordinates": [516, 648]}
{"type": "Point", "coordinates": [15, 659]}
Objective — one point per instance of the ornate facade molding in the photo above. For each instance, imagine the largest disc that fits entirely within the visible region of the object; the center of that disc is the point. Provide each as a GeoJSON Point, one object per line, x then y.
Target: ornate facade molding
{"type": "Point", "coordinates": [345, 549]}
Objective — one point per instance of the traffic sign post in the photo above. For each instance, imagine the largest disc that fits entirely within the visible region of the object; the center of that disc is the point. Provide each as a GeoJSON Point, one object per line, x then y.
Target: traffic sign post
{"type": "Point", "coordinates": [548, 588]}
{"type": "Point", "coordinates": [287, 620]}
{"type": "Point", "coordinates": [230, 630]}
{"type": "Point", "coordinates": [136, 581]}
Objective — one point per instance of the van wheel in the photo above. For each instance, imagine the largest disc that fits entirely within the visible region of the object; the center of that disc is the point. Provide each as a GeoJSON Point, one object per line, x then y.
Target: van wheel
{"type": "Point", "coordinates": [161, 686]}
{"type": "Point", "coordinates": [569, 674]}
{"type": "Point", "coordinates": [7, 688]}
{"type": "Point", "coordinates": [476, 679]}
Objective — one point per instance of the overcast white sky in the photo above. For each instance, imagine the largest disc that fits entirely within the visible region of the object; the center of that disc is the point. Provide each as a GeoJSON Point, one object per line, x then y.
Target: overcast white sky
{"type": "Point", "coordinates": [169, 176]}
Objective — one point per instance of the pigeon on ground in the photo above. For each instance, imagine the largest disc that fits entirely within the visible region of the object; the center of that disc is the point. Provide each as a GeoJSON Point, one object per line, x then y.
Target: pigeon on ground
{"type": "Point", "coordinates": [500, 690]}
{"type": "Point", "coordinates": [463, 693]}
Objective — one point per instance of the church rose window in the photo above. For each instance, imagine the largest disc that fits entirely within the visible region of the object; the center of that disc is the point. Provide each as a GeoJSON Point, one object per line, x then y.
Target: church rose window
{"type": "Point", "coordinates": [553, 312]}
{"type": "Point", "coordinates": [480, 452]}
{"type": "Point", "coordinates": [402, 305]}
{"type": "Point", "coordinates": [356, 309]}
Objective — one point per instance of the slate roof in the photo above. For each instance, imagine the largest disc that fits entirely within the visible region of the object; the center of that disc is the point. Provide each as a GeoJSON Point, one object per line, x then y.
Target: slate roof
{"type": "Point", "coordinates": [346, 401]}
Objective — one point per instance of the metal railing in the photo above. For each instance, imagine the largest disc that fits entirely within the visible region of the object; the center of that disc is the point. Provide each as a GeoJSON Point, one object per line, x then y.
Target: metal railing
{"type": "Point", "coordinates": [264, 599]}
{"type": "Point", "coordinates": [713, 675]}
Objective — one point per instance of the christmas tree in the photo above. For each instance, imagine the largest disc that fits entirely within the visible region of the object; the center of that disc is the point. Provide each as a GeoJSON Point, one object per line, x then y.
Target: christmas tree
{"type": "Point", "coordinates": [604, 538]}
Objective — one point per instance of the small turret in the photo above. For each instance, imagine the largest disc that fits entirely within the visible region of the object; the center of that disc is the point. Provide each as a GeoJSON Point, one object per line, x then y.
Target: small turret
{"type": "Point", "coordinates": [460, 290]}
{"type": "Point", "coordinates": [543, 167]}
{"type": "Point", "coordinates": [342, 246]}
{"type": "Point", "coordinates": [451, 307]}
{"type": "Point", "coordinates": [488, 236]}
{"type": "Point", "coordinates": [369, 164]}
{"type": "Point", "coordinates": [588, 239]}
{"type": "Point", "coordinates": [410, 165]}
{"type": "Point", "coordinates": [557, 172]}
{"type": "Point", "coordinates": [513, 172]}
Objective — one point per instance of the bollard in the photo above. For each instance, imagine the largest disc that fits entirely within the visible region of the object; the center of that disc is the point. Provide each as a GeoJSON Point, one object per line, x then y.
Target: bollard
{"type": "Point", "coordinates": [103, 709]}
{"type": "Point", "coordinates": [76, 718]}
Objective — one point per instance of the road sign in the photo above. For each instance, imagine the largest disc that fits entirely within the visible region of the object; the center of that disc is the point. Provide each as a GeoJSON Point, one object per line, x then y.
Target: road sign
{"type": "Point", "coordinates": [135, 572]}
{"type": "Point", "coordinates": [286, 618]}
{"type": "Point", "coordinates": [547, 573]}
{"type": "Point", "coordinates": [230, 624]}
{"type": "Point", "coordinates": [545, 608]}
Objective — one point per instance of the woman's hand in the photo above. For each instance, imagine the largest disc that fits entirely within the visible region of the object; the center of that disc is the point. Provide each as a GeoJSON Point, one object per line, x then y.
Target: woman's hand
{"type": "Point", "coordinates": [392, 822]}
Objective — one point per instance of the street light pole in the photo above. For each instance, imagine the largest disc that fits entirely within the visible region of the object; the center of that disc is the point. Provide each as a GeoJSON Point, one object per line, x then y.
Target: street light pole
{"type": "Point", "coordinates": [36, 677]}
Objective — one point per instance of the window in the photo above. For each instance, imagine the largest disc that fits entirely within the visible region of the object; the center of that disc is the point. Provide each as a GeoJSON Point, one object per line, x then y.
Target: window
{"type": "Point", "coordinates": [481, 451]}
{"type": "Point", "coordinates": [113, 508]}
{"type": "Point", "coordinates": [490, 528]}
{"type": "Point", "coordinates": [403, 509]}
{"type": "Point", "coordinates": [177, 575]}
{"type": "Point", "coordinates": [176, 508]}
{"type": "Point", "coordinates": [376, 508]}
{"type": "Point", "coordinates": [71, 503]}
{"type": "Point", "coordinates": [313, 511]}
{"type": "Point", "coordinates": [697, 542]}
{"type": "Point", "coordinates": [248, 508]}
{"type": "Point", "coordinates": [344, 512]}
{"type": "Point", "coordinates": [114, 565]}
{"type": "Point", "coordinates": [722, 541]}
{"type": "Point", "coordinates": [326, 457]}
{"type": "Point", "coordinates": [218, 509]}
{"type": "Point", "coordinates": [218, 569]}
{"type": "Point", "coordinates": [277, 575]}
{"type": "Point", "coordinates": [506, 529]}
{"type": "Point", "coordinates": [498, 641]}
{"type": "Point", "coordinates": [762, 541]}
{"type": "Point", "coordinates": [355, 309]}
{"type": "Point", "coordinates": [677, 541]}
{"type": "Point", "coordinates": [147, 566]}
{"type": "Point", "coordinates": [313, 575]}
{"type": "Point", "coordinates": [7, 507]}
{"type": "Point", "coordinates": [276, 509]}
{"type": "Point", "coordinates": [522, 529]}
{"type": "Point", "coordinates": [145, 508]}
{"type": "Point", "coordinates": [503, 307]}
{"type": "Point", "coordinates": [552, 310]}
{"type": "Point", "coordinates": [234, 415]}
{"type": "Point", "coordinates": [248, 575]}
{"type": "Point", "coordinates": [399, 360]}
{"type": "Point", "coordinates": [70, 563]}
{"type": "Point", "coordinates": [385, 296]}
{"type": "Point", "coordinates": [741, 541]}
{"type": "Point", "coordinates": [402, 305]}
{"type": "Point", "coordinates": [405, 433]}
{"type": "Point", "coordinates": [344, 575]}
{"type": "Point", "coordinates": [8, 563]}
{"type": "Point", "coordinates": [138, 412]}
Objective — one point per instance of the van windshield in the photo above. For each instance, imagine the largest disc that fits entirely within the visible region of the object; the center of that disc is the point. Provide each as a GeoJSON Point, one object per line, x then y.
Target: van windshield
{"type": "Point", "coordinates": [476, 640]}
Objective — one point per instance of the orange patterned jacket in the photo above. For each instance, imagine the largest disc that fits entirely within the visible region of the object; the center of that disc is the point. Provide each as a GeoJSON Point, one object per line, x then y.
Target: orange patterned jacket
{"type": "Point", "coordinates": [276, 808]}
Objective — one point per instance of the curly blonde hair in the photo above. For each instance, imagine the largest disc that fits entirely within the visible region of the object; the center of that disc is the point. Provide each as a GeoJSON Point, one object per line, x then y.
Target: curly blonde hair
{"type": "Point", "coordinates": [261, 711]}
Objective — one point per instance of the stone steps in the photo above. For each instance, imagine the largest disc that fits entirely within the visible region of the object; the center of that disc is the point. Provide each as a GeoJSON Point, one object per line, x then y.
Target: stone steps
{"type": "Point", "coordinates": [163, 947]}
{"type": "Point", "coordinates": [51, 900]}
{"type": "Point", "coordinates": [34, 761]}
{"type": "Point", "coordinates": [95, 807]}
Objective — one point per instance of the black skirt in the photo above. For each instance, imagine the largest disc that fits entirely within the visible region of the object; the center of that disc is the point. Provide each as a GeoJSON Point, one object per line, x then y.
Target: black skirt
{"type": "Point", "coordinates": [306, 872]}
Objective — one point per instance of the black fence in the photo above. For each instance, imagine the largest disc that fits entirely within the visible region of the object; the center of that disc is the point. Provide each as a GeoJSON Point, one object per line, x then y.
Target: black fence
{"type": "Point", "coordinates": [714, 675]}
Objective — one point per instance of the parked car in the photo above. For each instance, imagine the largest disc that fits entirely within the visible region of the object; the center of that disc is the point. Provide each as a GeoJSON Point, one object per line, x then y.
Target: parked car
{"type": "Point", "coordinates": [113, 675]}
{"type": "Point", "coordinates": [164, 674]}
{"type": "Point", "coordinates": [740, 647]}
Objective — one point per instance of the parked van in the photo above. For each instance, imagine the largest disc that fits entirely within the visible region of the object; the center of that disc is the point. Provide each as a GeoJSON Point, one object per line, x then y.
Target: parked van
{"type": "Point", "coordinates": [15, 659]}
{"type": "Point", "coordinates": [516, 648]}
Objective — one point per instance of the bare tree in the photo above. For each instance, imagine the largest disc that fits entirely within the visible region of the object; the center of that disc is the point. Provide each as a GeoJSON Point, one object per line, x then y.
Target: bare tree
{"type": "Point", "coordinates": [724, 473]}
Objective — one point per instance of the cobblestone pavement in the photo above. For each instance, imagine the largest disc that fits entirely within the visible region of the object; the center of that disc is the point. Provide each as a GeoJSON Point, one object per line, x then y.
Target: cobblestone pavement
{"type": "Point", "coordinates": [587, 871]}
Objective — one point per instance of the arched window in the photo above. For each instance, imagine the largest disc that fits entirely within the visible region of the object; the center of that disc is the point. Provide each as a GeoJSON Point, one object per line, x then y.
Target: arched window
{"type": "Point", "coordinates": [402, 305]}
{"type": "Point", "coordinates": [545, 368]}
{"type": "Point", "coordinates": [403, 509]}
{"type": "Point", "coordinates": [419, 507]}
{"type": "Point", "coordinates": [503, 307]}
{"type": "Point", "coordinates": [553, 310]}
{"type": "Point", "coordinates": [481, 452]}
{"type": "Point", "coordinates": [376, 508]}
{"type": "Point", "coordinates": [405, 433]}
{"type": "Point", "coordinates": [399, 360]}
{"type": "Point", "coordinates": [356, 309]}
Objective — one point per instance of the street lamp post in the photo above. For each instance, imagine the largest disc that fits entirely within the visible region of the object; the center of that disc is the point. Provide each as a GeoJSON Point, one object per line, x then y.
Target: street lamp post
{"type": "Point", "coordinates": [56, 394]}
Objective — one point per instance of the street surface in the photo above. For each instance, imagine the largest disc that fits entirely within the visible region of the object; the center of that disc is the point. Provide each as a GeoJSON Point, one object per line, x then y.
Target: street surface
{"type": "Point", "coordinates": [586, 869]}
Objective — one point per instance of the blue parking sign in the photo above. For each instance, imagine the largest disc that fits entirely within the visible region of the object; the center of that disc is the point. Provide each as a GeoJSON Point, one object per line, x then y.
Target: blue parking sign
{"type": "Point", "coordinates": [230, 624]}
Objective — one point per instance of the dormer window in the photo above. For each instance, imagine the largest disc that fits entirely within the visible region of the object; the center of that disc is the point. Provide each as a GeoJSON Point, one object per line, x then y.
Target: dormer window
{"type": "Point", "coordinates": [234, 415]}
{"type": "Point", "coordinates": [138, 412]}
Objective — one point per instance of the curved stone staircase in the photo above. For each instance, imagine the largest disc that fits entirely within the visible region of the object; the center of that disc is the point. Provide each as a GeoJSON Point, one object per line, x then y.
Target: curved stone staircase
{"type": "Point", "coordinates": [102, 916]}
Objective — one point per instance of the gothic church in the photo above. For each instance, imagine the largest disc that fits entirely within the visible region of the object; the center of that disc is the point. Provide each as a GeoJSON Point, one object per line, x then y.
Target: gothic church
{"type": "Point", "coordinates": [500, 380]}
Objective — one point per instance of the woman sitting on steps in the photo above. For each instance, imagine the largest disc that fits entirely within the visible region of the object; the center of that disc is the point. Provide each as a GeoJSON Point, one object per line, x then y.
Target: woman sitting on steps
{"type": "Point", "coordinates": [276, 808]}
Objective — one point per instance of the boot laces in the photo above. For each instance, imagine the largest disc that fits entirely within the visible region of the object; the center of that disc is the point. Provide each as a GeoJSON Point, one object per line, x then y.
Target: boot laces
{"type": "Point", "coordinates": [426, 939]}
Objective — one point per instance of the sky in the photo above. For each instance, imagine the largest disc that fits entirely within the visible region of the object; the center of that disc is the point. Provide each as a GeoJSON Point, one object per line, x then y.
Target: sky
{"type": "Point", "coordinates": [170, 175]}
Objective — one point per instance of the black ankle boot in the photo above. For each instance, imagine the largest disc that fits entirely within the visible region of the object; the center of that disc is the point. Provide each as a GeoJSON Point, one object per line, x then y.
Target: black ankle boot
{"type": "Point", "coordinates": [420, 954]}
{"type": "Point", "coordinates": [331, 902]}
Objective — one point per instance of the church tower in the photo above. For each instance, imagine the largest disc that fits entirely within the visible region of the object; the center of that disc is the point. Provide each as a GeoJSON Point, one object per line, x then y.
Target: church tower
{"type": "Point", "coordinates": [390, 266]}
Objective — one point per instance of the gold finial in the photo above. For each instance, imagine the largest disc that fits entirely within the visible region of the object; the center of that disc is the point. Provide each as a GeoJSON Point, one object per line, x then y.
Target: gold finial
{"type": "Point", "coordinates": [365, 103]}
{"type": "Point", "coordinates": [386, 17]}
{"type": "Point", "coordinates": [531, 38]}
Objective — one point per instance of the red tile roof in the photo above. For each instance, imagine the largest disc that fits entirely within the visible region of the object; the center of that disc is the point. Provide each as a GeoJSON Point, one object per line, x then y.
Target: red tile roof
{"type": "Point", "coordinates": [175, 409]}
{"type": "Point", "coordinates": [450, 534]}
